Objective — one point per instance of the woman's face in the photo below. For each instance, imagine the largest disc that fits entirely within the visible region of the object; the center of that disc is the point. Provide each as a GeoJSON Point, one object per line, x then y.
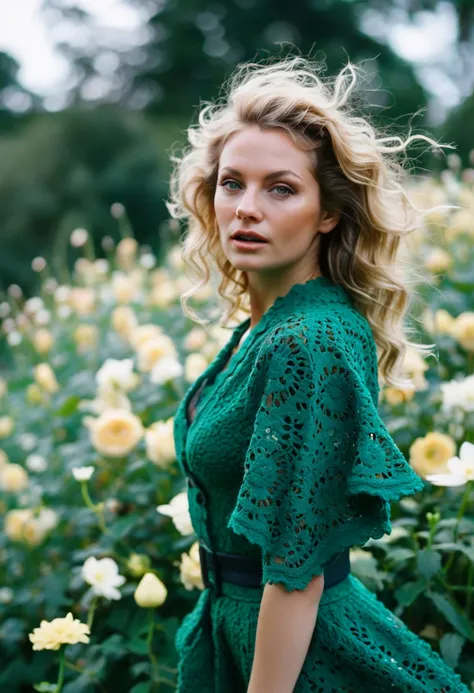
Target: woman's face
{"type": "Point", "coordinates": [265, 184]}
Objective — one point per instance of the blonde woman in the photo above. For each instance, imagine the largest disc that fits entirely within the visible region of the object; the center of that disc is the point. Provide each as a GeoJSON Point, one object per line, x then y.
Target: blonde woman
{"type": "Point", "coordinates": [298, 208]}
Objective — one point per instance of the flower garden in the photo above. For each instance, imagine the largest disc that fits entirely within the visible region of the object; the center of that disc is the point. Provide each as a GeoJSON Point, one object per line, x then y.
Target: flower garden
{"type": "Point", "coordinates": [99, 559]}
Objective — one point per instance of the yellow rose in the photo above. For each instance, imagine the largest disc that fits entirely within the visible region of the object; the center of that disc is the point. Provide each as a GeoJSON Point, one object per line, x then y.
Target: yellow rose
{"type": "Point", "coordinates": [124, 287]}
{"type": "Point", "coordinates": [438, 260]}
{"type": "Point", "coordinates": [33, 532]}
{"type": "Point", "coordinates": [150, 592]}
{"type": "Point", "coordinates": [82, 300]}
{"type": "Point", "coordinates": [124, 321]}
{"type": "Point", "coordinates": [441, 322]}
{"type": "Point", "coordinates": [160, 447]}
{"type": "Point", "coordinates": [194, 365]}
{"type": "Point", "coordinates": [115, 432]}
{"type": "Point", "coordinates": [463, 330]}
{"type": "Point", "coordinates": [45, 378]}
{"type": "Point", "coordinates": [163, 295]}
{"type": "Point", "coordinates": [126, 253]}
{"type": "Point", "coordinates": [153, 350]}
{"type": "Point", "coordinates": [86, 337]}
{"type": "Point", "coordinates": [396, 395]}
{"type": "Point", "coordinates": [190, 569]}
{"type": "Point", "coordinates": [13, 478]}
{"type": "Point", "coordinates": [15, 521]}
{"type": "Point", "coordinates": [195, 339]}
{"type": "Point", "coordinates": [34, 394]}
{"type": "Point", "coordinates": [144, 333]}
{"type": "Point", "coordinates": [43, 341]}
{"type": "Point", "coordinates": [60, 631]}
{"type": "Point", "coordinates": [3, 459]}
{"type": "Point", "coordinates": [429, 455]}
{"type": "Point", "coordinates": [414, 367]}
{"type": "Point", "coordinates": [6, 426]}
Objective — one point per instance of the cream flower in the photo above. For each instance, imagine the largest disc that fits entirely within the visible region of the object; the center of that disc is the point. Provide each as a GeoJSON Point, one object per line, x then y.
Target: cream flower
{"type": "Point", "coordinates": [115, 432]}
{"type": "Point", "coordinates": [144, 333]}
{"type": "Point", "coordinates": [60, 631]}
{"type": "Point", "coordinates": [431, 453]}
{"type": "Point", "coordinates": [463, 330]}
{"type": "Point", "coordinates": [36, 463]}
{"type": "Point", "coordinates": [178, 510]}
{"type": "Point", "coordinates": [107, 399]}
{"type": "Point", "coordinates": [86, 337]}
{"type": "Point", "coordinates": [125, 288]}
{"type": "Point", "coordinates": [153, 350]}
{"type": "Point", "coordinates": [124, 321]}
{"type": "Point", "coordinates": [460, 469]}
{"type": "Point", "coordinates": [6, 426]}
{"type": "Point", "coordinates": [34, 394]}
{"type": "Point", "coordinates": [126, 253]}
{"type": "Point", "coordinates": [414, 367]}
{"type": "Point", "coordinates": [441, 321]}
{"type": "Point", "coordinates": [15, 521]}
{"type": "Point", "coordinates": [45, 378]}
{"type": "Point", "coordinates": [83, 473]}
{"type": "Point", "coordinates": [117, 374]}
{"type": "Point", "coordinates": [82, 300]}
{"type": "Point", "coordinates": [195, 339]}
{"type": "Point", "coordinates": [13, 478]}
{"type": "Point", "coordinates": [174, 259]}
{"type": "Point", "coordinates": [396, 395]}
{"type": "Point", "coordinates": [160, 447]}
{"type": "Point", "coordinates": [150, 592]}
{"type": "Point", "coordinates": [194, 365]}
{"type": "Point", "coordinates": [3, 459]}
{"type": "Point", "coordinates": [167, 369]}
{"type": "Point", "coordinates": [103, 576]}
{"type": "Point", "coordinates": [438, 260]}
{"type": "Point", "coordinates": [458, 394]}
{"type": "Point", "coordinates": [43, 340]}
{"type": "Point", "coordinates": [190, 569]}
{"type": "Point", "coordinates": [163, 295]}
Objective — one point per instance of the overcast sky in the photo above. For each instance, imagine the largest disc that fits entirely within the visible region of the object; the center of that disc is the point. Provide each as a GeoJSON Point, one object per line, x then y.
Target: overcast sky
{"type": "Point", "coordinates": [24, 35]}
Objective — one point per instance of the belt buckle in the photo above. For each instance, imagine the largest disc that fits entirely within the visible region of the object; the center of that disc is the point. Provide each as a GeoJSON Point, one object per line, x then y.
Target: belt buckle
{"type": "Point", "coordinates": [208, 562]}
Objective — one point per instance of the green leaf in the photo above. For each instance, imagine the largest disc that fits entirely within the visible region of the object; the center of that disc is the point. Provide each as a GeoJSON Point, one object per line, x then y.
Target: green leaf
{"type": "Point", "coordinates": [450, 546]}
{"type": "Point", "coordinates": [138, 646]}
{"type": "Point", "coordinates": [407, 593]}
{"type": "Point", "coordinates": [144, 687]}
{"type": "Point", "coordinates": [69, 407]}
{"type": "Point", "coordinates": [45, 687]}
{"type": "Point", "coordinates": [452, 615]}
{"type": "Point", "coordinates": [428, 563]}
{"type": "Point", "coordinates": [399, 555]}
{"type": "Point", "coordinates": [451, 645]}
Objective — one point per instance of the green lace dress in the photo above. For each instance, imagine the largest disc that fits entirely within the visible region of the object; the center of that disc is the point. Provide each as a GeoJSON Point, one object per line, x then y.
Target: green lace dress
{"type": "Point", "coordinates": [287, 460]}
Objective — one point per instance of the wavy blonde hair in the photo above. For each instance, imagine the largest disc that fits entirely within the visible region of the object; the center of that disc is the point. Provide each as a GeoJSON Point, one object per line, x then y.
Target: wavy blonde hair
{"type": "Point", "coordinates": [359, 178]}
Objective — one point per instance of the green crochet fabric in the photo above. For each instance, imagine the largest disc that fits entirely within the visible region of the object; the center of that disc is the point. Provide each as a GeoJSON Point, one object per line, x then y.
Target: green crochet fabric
{"type": "Point", "coordinates": [288, 461]}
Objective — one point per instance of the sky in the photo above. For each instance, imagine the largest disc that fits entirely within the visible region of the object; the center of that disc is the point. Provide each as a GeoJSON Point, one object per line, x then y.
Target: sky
{"type": "Point", "coordinates": [25, 35]}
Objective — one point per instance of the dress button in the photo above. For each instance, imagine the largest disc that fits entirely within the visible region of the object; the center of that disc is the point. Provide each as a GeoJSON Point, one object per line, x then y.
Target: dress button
{"type": "Point", "coordinates": [200, 498]}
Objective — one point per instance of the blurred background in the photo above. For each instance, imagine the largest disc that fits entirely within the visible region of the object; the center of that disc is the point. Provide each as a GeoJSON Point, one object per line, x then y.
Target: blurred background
{"type": "Point", "coordinates": [95, 94]}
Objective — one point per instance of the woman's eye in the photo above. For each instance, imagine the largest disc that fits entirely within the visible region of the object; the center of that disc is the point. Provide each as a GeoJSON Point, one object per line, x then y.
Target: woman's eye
{"type": "Point", "coordinates": [286, 190]}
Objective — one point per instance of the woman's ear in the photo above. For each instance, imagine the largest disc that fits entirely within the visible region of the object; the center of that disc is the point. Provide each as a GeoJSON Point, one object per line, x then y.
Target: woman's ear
{"type": "Point", "coordinates": [328, 221]}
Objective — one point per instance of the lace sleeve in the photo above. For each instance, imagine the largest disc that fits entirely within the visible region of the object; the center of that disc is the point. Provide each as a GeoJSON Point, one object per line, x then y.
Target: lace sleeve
{"type": "Point", "coordinates": [321, 467]}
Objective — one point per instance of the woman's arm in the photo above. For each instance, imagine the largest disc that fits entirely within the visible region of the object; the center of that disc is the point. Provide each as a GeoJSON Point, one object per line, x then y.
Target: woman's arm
{"type": "Point", "coordinates": [286, 622]}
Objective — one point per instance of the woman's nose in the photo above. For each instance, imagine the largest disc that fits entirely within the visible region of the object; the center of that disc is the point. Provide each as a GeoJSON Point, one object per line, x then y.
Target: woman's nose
{"type": "Point", "coordinates": [248, 205]}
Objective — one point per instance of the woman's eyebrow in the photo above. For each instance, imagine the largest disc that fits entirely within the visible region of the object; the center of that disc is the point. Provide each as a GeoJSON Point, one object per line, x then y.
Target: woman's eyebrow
{"type": "Point", "coordinates": [269, 176]}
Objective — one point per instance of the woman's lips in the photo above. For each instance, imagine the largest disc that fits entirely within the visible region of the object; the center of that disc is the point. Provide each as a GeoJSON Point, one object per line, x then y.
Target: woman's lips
{"type": "Point", "coordinates": [247, 245]}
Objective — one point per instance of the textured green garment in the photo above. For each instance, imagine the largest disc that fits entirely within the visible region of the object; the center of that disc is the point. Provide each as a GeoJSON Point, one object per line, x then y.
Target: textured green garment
{"type": "Point", "coordinates": [287, 460]}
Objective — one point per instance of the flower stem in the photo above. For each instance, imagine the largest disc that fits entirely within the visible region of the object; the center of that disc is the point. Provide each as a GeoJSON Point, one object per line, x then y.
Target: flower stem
{"type": "Point", "coordinates": [149, 640]}
{"type": "Point", "coordinates": [90, 504]}
{"type": "Point", "coordinates": [462, 509]}
{"type": "Point", "coordinates": [92, 608]}
{"type": "Point", "coordinates": [61, 671]}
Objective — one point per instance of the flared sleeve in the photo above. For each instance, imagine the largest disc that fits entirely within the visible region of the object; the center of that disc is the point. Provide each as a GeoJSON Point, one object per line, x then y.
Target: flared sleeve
{"type": "Point", "coordinates": [321, 467]}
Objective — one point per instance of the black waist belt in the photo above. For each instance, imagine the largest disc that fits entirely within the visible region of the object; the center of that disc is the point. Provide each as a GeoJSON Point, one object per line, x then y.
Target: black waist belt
{"type": "Point", "coordinates": [246, 571]}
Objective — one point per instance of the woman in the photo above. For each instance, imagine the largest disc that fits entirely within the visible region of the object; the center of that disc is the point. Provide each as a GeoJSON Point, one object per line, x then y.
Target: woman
{"type": "Point", "coordinates": [287, 461]}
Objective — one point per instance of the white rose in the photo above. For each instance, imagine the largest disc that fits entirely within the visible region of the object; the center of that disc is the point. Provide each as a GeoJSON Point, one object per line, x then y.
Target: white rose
{"type": "Point", "coordinates": [160, 445]}
{"type": "Point", "coordinates": [178, 510]}
{"type": "Point", "coordinates": [115, 432]}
